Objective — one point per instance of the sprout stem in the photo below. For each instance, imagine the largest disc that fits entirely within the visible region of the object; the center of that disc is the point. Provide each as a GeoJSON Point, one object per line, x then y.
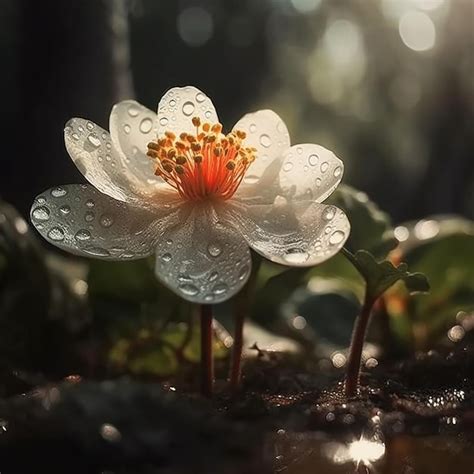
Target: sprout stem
{"type": "Point", "coordinates": [207, 361]}
{"type": "Point", "coordinates": [242, 306]}
{"type": "Point", "coordinates": [357, 344]}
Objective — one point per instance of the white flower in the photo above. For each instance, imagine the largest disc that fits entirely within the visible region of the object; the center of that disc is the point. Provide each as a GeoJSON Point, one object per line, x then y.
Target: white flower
{"type": "Point", "coordinates": [172, 184]}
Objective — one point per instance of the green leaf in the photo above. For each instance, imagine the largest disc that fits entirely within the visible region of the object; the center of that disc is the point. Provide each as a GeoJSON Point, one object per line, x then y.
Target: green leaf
{"type": "Point", "coordinates": [371, 228]}
{"type": "Point", "coordinates": [380, 276]}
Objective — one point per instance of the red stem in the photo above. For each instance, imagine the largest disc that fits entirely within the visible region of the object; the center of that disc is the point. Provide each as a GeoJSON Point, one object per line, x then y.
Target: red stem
{"type": "Point", "coordinates": [207, 362]}
{"type": "Point", "coordinates": [357, 344]}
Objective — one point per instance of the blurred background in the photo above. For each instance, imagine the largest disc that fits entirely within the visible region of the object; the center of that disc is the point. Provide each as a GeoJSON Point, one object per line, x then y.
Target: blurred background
{"type": "Point", "coordinates": [387, 84]}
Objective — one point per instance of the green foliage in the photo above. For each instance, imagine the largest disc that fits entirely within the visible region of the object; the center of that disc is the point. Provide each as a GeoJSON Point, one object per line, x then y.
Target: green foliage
{"type": "Point", "coordinates": [371, 228]}
{"type": "Point", "coordinates": [380, 276]}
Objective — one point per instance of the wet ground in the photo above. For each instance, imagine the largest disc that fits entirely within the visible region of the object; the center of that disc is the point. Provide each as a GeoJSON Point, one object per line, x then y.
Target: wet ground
{"type": "Point", "coordinates": [411, 418]}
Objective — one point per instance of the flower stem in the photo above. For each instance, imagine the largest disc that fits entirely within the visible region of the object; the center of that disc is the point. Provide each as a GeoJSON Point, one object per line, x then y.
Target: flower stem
{"type": "Point", "coordinates": [207, 362]}
{"type": "Point", "coordinates": [242, 305]}
{"type": "Point", "coordinates": [357, 344]}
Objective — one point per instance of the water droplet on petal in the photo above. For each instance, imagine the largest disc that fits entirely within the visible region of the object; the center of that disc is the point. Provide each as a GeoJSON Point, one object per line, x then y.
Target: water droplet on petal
{"type": "Point", "coordinates": [166, 257]}
{"type": "Point", "coordinates": [244, 271]}
{"type": "Point", "coordinates": [106, 221]}
{"type": "Point", "coordinates": [146, 125]}
{"type": "Point", "coordinates": [213, 276]}
{"type": "Point", "coordinates": [251, 179]}
{"type": "Point", "coordinates": [41, 213]}
{"type": "Point", "coordinates": [288, 166]}
{"type": "Point", "coordinates": [188, 288]}
{"type": "Point", "coordinates": [75, 136]}
{"type": "Point", "coordinates": [169, 241]}
{"type": "Point", "coordinates": [296, 256]}
{"type": "Point", "coordinates": [252, 128]}
{"type": "Point", "coordinates": [188, 108]}
{"type": "Point", "coordinates": [337, 237]}
{"type": "Point", "coordinates": [97, 251]}
{"type": "Point", "coordinates": [220, 288]}
{"type": "Point", "coordinates": [90, 126]}
{"type": "Point", "coordinates": [265, 140]}
{"type": "Point", "coordinates": [200, 97]}
{"type": "Point", "coordinates": [133, 110]}
{"type": "Point", "coordinates": [82, 235]}
{"type": "Point", "coordinates": [41, 200]}
{"type": "Point", "coordinates": [56, 234]}
{"type": "Point", "coordinates": [58, 192]}
{"type": "Point", "coordinates": [329, 214]}
{"type": "Point", "coordinates": [126, 128]}
{"type": "Point", "coordinates": [94, 140]}
{"type": "Point", "coordinates": [163, 121]}
{"type": "Point", "coordinates": [90, 203]}
{"type": "Point", "coordinates": [318, 182]}
{"type": "Point", "coordinates": [299, 150]}
{"type": "Point", "coordinates": [313, 159]}
{"type": "Point", "coordinates": [65, 210]}
{"type": "Point", "coordinates": [89, 216]}
{"type": "Point", "coordinates": [337, 172]}
{"type": "Point", "coordinates": [324, 167]}
{"type": "Point", "coordinates": [214, 249]}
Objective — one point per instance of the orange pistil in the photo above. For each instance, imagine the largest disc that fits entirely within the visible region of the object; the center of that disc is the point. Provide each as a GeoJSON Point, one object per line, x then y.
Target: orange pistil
{"type": "Point", "coordinates": [206, 165]}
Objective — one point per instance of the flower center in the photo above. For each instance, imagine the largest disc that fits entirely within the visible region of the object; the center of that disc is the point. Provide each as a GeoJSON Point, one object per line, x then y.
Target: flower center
{"type": "Point", "coordinates": [206, 165]}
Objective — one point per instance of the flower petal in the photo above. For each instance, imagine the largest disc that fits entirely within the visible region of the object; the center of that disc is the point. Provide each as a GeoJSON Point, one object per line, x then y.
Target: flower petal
{"type": "Point", "coordinates": [302, 233]}
{"type": "Point", "coordinates": [132, 127]}
{"type": "Point", "coordinates": [81, 220]}
{"type": "Point", "coordinates": [92, 151]}
{"type": "Point", "coordinates": [179, 105]}
{"type": "Point", "coordinates": [266, 132]}
{"type": "Point", "coordinates": [201, 260]}
{"type": "Point", "coordinates": [310, 171]}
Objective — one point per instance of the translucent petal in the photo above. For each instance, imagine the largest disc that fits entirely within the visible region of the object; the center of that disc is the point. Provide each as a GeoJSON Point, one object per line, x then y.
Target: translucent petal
{"type": "Point", "coordinates": [92, 151]}
{"type": "Point", "coordinates": [179, 105]}
{"type": "Point", "coordinates": [266, 132]}
{"type": "Point", "coordinates": [132, 127]}
{"type": "Point", "coordinates": [81, 220]}
{"type": "Point", "coordinates": [302, 233]}
{"type": "Point", "coordinates": [202, 260]}
{"type": "Point", "coordinates": [310, 171]}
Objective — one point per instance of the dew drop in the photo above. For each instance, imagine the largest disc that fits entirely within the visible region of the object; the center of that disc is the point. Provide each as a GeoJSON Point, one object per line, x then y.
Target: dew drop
{"type": "Point", "coordinates": [41, 213]}
{"type": "Point", "coordinates": [65, 210]}
{"type": "Point", "coordinates": [329, 214]}
{"type": "Point", "coordinates": [146, 125]}
{"type": "Point", "coordinates": [213, 276]}
{"type": "Point", "coordinates": [324, 167]}
{"type": "Point", "coordinates": [89, 216]}
{"type": "Point", "coordinates": [90, 126]}
{"type": "Point", "coordinates": [220, 288]}
{"type": "Point", "coordinates": [94, 140]}
{"type": "Point", "coordinates": [337, 237]}
{"type": "Point", "coordinates": [82, 235]}
{"type": "Point", "coordinates": [75, 136]}
{"type": "Point", "coordinates": [169, 241]}
{"type": "Point", "coordinates": [299, 150]}
{"type": "Point", "coordinates": [97, 251]}
{"type": "Point", "coordinates": [127, 128]}
{"type": "Point", "coordinates": [337, 172]}
{"type": "Point", "coordinates": [106, 221]}
{"type": "Point", "coordinates": [318, 182]}
{"type": "Point", "coordinates": [250, 179]}
{"type": "Point", "coordinates": [200, 97]}
{"type": "Point", "coordinates": [58, 192]}
{"type": "Point", "coordinates": [214, 249]}
{"type": "Point", "coordinates": [244, 271]}
{"type": "Point", "coordinates": [296, 256]}
{"type": "Point", "coordinates": [328, 229]}
{"type": "Point", "coordinates": [41, 200]}
{"type": "Point", "coordinates": [208, 297]}
{"type": "Point", "coordinates": [265, 140]}
{"type": "Point", "coordinates": [56, 234]}
{"type": "Point", "coordinates": [133, 110]}
{"type": "Point", "coordinates": [188, 108]}
{"type": "Point", "coordinates": [313, 160]}
{"type": "Point", "coordinates": [90, 203]}
{"type": "Point", "coordinates": [208, 114]}
{"type": "Point", "coordinates": [166, 257]}
{"type": "Point", "coordinates": [163, 121]}
{"type": "Point", "coordinates": [253, 128]}
{"type": "Point", "coordinates": [288, 166]}
{"type": "Point", "coordinates": [188, 288]}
